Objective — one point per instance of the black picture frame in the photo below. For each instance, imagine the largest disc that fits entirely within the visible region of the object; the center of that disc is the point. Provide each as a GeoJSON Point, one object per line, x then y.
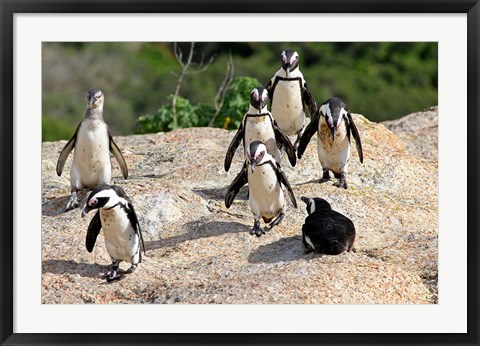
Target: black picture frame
{"type": "Point", "coordinates": [9, 8]}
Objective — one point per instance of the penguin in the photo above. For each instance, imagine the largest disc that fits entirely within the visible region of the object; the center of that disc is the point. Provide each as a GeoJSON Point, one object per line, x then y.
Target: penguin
{"type": "Point", "coordinates": [259, 124]}
{"type": "Point", "coordinates": [289, 94]}
{"type": "Point", "coordinates": [116, 216]}
{"type": "Point", "coordinates": [334, 124]}
{"type": "Point", "coordinates": [265, 179]}
{"type": "Point", "coordinates": [93, 143]}
{"type": "Point", "coordinates": [325, 230]}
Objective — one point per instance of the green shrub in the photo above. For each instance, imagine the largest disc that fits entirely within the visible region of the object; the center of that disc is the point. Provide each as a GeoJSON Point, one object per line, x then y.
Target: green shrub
{"type": "Point", "coordinates": [237, 101]}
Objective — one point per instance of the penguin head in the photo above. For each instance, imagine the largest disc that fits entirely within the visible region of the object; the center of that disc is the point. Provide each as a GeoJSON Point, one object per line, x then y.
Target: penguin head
{"type": "Point", "coordinates": [256, 152]}
{"type": "Point", "coordinates": [95, 99]}
{"type": "Point", "coordinates": [289, 59]}
{"type": "Point", "coordinates": [334, 110]}
{"type": "Point", "coordinates": [259, 98]}
{"type": "Point", "coordinates": [104, 196]}
{"type": "Point", "coordinates": [315, 203]}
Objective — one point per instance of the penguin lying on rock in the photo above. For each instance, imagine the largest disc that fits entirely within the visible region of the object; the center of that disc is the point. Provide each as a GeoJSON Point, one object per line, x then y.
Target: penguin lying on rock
{"type": "Point", "coordinates": [289, 94]}
{"type": "Point", "coordinates": [265, 179]}
{"type": "Point", "coordinates": [325, 230]}
{"type": "Point", "coordinates": [258, 124]}
{"type": "Point", "coordinates": [334, 125]}
{"type": "Point", "coordinates": [93, 143]}
{"type": "Point", "coordinates": [116, 216]}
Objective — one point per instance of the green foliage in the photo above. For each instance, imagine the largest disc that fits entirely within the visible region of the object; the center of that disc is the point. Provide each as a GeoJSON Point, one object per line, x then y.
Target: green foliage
{"type": "Point", "coordinates": [56, 129]}
{"type": "Point", "coordinates": [237, 101]}
{"type": "Point", "coordinates": [188, 115]}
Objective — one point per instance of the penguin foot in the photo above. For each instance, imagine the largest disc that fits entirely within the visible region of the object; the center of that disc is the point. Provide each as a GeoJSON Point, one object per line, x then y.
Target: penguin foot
{"type": "Point", "coordinates": [341, 183]}
{"type": "Point", "coordinates": [112, 276]}
{"type": "Point", "coordinates": [278, 220]}
{"type": "Point", "coordinates": [130, 270]}
{"type": "Point", "coordinates": [256, 230]}
{"type": "Point", "coordinates": [325, 177]}
{"type": "Point", "coordinates": [72, 203]}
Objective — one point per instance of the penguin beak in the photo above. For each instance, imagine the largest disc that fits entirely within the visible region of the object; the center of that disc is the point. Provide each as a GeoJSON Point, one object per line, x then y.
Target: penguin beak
{"type": "Point", "coordinates": [86, 210]}
{"type": "Point", "coordinates": [254, 164]}
{"type": "Point", "coordinates": [333, 130]}
{"type": "Point", "coordinates": [304, 199]}
{"type": "Point", "coordinates": [287, 71]}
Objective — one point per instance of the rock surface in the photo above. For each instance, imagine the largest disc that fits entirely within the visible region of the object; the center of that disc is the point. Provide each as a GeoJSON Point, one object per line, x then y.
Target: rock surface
{"type": "Point", "coordinates": [200, 252]}
{"type": "Point", "coordinates": [419, 132]}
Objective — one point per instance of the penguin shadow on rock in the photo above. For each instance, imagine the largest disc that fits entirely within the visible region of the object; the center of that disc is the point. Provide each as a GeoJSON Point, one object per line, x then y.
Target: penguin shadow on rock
{"type": "Point", "coordinates": [56, 206]}
{"type": "Point", "coordinates": [219, 193]}
{"type": "Point", "coordinates": [283, 250]}
{"type": "Point", "coordinates": [196, 230]}
{"type": "Point", "coordinates": [89, 270]}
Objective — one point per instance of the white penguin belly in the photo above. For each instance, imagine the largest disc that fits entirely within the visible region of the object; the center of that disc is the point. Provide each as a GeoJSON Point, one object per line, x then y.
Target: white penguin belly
{"type": "Point", "coordinates": [287, 106]}
{"type": "Point", "coordinates": [261, 129]}
{"type": "Point", "coordinates": [333, 155]}
{"type": "Point", "coordinates": [266, 197]}
{"type": "Point", "coordinates": [91, 159]}
{"type": "Point", "coordinates": [121, 241]}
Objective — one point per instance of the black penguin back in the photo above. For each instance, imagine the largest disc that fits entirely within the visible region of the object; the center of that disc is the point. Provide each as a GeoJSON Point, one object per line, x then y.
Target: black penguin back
{"type": "Point", "coordinates": [328, 232]}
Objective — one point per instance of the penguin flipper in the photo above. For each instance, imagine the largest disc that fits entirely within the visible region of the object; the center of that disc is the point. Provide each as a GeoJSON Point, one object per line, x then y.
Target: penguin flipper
{"type": "Point", "coordinates": [93, 230]}
{"type": "Point", "coordinates": [309, 101]}
{"type": "Point", "coordinates": [284, 181]}
{"type": "Point", "coordinates": [67, 149]}
{"type": "Point", "coordinates": [232, 147]}
{"type": "Point", "coordinates": [356, 136]}
{"type": "Point", "coordinates": [132, 216]}
{"type": "Point", "coordinates": [115, 150]}
{"type": "Point", "coordinates": [307, 135]}
{"type": "Point", "coordinates": [282, 139]}
{"type": "Point", "coordinates": [240, 180]}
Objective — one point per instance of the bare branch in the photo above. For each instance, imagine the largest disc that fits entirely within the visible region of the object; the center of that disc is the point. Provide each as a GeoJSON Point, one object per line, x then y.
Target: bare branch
{"type": "Point", "coordinates": [222, 90]}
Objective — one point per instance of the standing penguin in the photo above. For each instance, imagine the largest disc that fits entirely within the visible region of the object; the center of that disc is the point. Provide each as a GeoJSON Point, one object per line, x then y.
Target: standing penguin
{"type": "Point", "coordinates": [93, 143]}
{"type": "Point", "coordinates": [289, 94]}
{"type": "Point", "coordinates": [258, 124]}
{"type": "Point", "coordinates": [325, 230]}
{"type": "Point", "coordinates": [333, 139]}
{"type": "Point", "coordinates": [117, 217]}
{"type": "Point", "coordinates": [265, 179]}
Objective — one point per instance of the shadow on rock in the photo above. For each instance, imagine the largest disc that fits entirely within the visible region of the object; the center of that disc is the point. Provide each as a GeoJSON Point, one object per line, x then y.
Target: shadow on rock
{"type": "Point", "coordinates": [90, 270]}
{"type": "Point", "coordinates": [56, 206]}
{"type": "Point", "coordinates": [219, 193]}
{"type": "Point", "coordinates": [196, 230]}
{"type": "Point", "coordinates": [283, 250]}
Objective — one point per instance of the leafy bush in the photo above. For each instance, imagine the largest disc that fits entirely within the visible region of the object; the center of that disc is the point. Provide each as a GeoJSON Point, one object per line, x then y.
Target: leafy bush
{"type": "Point", "coordinates": [188, 115]}
{"type": "Point", "coordinates": [237, 101]}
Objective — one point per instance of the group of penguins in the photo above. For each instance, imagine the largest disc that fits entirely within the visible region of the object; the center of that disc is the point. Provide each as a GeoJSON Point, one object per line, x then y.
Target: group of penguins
{"type": "Point", "coordinates": [264, 133]}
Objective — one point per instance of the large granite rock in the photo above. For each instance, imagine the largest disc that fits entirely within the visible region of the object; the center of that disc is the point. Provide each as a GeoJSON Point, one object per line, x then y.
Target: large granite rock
{"type": "Point", "coordinates": [200, 252]}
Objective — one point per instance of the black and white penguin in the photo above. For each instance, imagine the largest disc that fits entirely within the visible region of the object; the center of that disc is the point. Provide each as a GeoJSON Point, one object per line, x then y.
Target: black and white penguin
{"type": "Point", "coordinates": [325, 230]}
{"type": "Point", "coordinates": [258, 124]}
{"type": "Point", "coordinates": [265, 179]}
{"type": "Point", "coordinates": [116, 216]}
{"type": "Point", "coordinates": [334, 125]}
{"type": "Point", "coordinates": [93, 143]}
{"type": "Point", "coordinates": [289, 94]}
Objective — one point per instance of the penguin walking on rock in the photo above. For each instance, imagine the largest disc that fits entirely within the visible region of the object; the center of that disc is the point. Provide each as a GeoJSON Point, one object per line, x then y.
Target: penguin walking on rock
{"type": "Point", "coordinates": [325, 230]}
{"type": "Point", "coordinates": [265, 179]}
{"type": "Point", "coordinates": [123, 235]}
{"type": "Point", "coordinates": [93, 143]}
{"type": "Point", "coordinates": [289, 94]}
{"type": "Point", "coordinates": [258, 124]}
{"type": "Point", "coordinates": [334, 124]}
